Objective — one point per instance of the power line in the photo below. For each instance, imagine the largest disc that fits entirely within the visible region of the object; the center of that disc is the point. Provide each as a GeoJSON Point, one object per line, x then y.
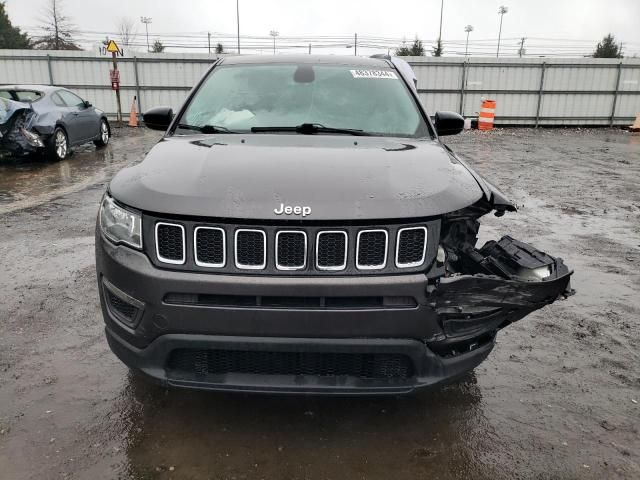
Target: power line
{"type": "Point", "coordinates": [194, 41]}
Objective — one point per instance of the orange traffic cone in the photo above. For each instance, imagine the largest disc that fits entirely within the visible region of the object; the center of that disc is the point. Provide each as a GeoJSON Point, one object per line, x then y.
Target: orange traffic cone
{"type": "Point", "coordinates": [487, 114]}
{"type": "Point", "coordinates": [133, 116]}
{"type": "Point", "coordinates": [636, 125]}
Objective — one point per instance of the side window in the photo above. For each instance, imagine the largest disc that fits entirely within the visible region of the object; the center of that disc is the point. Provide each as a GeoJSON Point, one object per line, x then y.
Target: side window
{"type": "Point", "coordinates": [71, 99]}
{"type": "Point", "coordinates": [6, 94]}
{"type": "Point", "coordinates": [28, 95]}
{"type": "Point", "coordinates": [57, 100]}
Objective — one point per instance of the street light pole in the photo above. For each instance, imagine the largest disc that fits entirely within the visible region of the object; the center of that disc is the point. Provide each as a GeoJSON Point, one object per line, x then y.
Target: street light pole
{"type": "Point", "coordinates": [146, 21]}
{"type": "Point", "coordinates": [238, 19]}
{"type": "Point", "coordinates": [502, 10]}
{"type": "Point", "coordinates": [468, 29]}
{"type": "Point", "coordinates": [274, 34]}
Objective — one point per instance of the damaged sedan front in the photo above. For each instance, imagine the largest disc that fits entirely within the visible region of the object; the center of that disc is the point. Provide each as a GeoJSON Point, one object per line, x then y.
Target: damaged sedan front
{"type": "Point", "coordinates": [17, 137]}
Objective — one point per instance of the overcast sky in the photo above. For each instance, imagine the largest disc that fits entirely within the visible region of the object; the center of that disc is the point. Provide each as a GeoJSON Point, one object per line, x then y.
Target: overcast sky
{"type": "Point", "coordinates": [534, 19]}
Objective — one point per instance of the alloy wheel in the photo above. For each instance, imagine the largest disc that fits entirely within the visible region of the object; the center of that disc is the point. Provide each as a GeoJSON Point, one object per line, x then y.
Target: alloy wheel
{"type": "Point", "coordinates": [104, 133]}
{"type": "Point", "coordinates": [61, 144]}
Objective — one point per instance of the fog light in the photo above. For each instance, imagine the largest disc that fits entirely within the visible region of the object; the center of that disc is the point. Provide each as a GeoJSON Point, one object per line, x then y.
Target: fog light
{"type": "Point", "coordinates": [441, 257]}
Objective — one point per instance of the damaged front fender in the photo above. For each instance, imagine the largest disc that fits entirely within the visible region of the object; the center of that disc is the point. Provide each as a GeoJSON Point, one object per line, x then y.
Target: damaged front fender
{"type": "Point", "coordinates": [497, 285]}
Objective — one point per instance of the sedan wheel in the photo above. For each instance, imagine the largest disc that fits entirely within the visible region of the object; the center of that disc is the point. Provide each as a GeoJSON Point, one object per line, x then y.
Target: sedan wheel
{"type": "Point", "coordinates": [104, 134]}
{"type": "Point", "coordinates": [61, 144]}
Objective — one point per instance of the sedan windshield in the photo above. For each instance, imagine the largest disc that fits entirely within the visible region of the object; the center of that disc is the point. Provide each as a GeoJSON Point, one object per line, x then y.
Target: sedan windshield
{"type": "Point", "coordinates": [272, 98]}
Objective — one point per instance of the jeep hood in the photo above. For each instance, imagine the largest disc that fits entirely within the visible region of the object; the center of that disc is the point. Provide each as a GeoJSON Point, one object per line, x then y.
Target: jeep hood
{"type": "Point", "coordinates": [338, 177]}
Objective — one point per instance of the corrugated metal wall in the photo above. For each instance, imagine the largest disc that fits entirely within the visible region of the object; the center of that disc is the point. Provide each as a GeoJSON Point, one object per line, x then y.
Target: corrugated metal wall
{"type": "Point", "coordinates": [528, 91]}
{"type": "Point", "coordinates": [536, 91]}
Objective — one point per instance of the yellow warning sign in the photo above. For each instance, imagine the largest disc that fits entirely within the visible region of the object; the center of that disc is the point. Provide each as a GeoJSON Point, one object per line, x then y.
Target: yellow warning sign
{"type": "Point", "coordinates": [112, 47]}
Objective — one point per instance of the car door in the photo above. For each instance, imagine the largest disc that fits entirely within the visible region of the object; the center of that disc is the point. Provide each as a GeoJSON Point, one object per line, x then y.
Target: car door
{"type": "Point", "coordinates": [68, 117]}
{"type": "Point", "coordinates": [84, 119]}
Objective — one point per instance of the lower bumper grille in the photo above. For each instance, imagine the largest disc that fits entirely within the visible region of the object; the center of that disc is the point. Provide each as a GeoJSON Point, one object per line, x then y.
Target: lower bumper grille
{"type": "Point", "coordinates": [313, 303]}
{"type": "Point", "coordinates": [185, 363]}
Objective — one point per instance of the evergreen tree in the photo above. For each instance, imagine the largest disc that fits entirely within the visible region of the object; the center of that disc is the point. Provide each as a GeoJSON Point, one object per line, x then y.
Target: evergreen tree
{"type": "Point", "coordinates": [608, 48]}
{"type": "Point", "coordinates": [10, 36]}
{"type": "Point", "coordinates": [415, 50]}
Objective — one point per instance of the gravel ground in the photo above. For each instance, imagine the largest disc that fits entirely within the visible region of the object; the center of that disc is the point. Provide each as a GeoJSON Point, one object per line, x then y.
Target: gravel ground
{"type": "Point", "coordinates": [557, 399]}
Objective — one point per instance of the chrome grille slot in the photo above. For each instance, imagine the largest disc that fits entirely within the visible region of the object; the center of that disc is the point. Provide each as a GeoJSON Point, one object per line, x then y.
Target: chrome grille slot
{"type": "Point", "coordinates": [371, 250]}
{"type": "Point", "coordinates": [250, 249]}
{"type": "Point", "coordinates": [331, 250]}
{"type": "Point", "coordinates": [291, 250]}
{"type": "Point", "coordinates": [209, 246]}
{"type": "Point", "coordinates": [170, 243]}
{"type": "Point", "coordinates": [411, 247]}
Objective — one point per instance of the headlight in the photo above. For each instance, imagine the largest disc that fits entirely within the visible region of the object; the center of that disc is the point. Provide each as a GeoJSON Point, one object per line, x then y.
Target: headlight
{"type": "Point", "coordinates": [120, 225]}
{"type": "Point", "coordinates": [31, 138]}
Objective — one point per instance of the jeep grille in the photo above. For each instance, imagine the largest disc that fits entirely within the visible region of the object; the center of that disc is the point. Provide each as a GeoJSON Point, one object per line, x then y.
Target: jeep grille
{"type": "Point", "coordinates": [293, 250]}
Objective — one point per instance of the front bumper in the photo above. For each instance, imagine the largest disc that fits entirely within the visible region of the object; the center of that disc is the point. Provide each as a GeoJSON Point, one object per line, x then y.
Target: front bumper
{"type": "Point", "coordinates": [429, 369]}
{"type": "Point", "coordinates": [441, 335]}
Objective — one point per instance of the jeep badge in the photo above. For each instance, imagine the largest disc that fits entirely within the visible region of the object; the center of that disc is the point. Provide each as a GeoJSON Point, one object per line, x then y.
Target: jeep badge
{"type": "Point", "coordinates": [292, 210]}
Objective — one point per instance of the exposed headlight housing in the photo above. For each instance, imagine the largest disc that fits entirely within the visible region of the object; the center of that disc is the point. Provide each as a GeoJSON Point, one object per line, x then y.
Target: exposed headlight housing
{"type": "Point", "coordinates": [31, 138]}
{"type": "Point", "coordinates": [120, 225]}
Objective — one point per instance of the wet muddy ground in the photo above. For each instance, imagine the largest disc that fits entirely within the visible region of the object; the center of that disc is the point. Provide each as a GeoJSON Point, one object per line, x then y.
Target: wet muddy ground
{"type": "Point", "coordinates": [557, 399]}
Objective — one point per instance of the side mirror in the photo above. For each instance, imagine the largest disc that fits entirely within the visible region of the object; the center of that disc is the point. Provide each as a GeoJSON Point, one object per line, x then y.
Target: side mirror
{"type": "Point", "coordinates": [158, 118]}
{"type": "Point", "coordinates": [87, 104]}
{"type": "Point", "coordinates": [448, 123]}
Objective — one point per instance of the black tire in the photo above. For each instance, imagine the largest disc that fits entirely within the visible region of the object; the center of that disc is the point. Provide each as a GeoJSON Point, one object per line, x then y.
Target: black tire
{"type": "Point", "coordinates": [105, 134]}
{"type": "Point", "coordinates": [58, 148]}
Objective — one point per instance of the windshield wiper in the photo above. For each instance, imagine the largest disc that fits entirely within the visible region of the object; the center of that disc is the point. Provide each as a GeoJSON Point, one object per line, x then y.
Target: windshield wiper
{"type": "Point", "coordinates": [310, 129]}
{"type": "Point", "coordinates": [206, 129]}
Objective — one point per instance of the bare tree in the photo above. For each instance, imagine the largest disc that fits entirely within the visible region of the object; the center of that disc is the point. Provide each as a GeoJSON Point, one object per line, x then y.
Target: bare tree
{"type": "Point", "coordinates": [58, 29]}
{"type": "Point", "coordinates": [127, 31]}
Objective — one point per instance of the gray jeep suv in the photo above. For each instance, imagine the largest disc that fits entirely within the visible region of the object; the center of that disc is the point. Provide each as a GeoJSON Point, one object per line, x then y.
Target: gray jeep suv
{"type": "Point", "coordinates": [300, 228]}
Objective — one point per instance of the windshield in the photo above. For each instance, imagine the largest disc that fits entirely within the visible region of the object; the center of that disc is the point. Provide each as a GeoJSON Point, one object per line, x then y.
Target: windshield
{"type": "Point", "coordinates": [242, 97]}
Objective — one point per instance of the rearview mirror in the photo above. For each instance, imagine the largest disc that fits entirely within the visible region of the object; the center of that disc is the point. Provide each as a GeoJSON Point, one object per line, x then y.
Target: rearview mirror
{"type": "Point", "coordinates": [87, 104]}
{"type": "Point", "coordinates": [448, 123]}
{"type": "Point", "coordinates": [158, 118]}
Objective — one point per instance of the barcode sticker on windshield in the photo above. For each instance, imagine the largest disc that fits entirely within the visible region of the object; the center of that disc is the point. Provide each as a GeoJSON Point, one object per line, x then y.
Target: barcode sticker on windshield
{"type": "Point", "coordinates": [374, 74]}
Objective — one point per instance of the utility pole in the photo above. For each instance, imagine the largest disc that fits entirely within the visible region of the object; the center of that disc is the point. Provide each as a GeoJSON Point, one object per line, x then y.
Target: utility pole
{"type": "Point", "coordinates": [440, 33]}
{"type": "Point", "coordinates": [521, 50]}
{"type": "Point", "coordinates": [468, 29]}
{"type": "Point", "coordinates": [146, 21]}
{"type": "Point", "coordinates": [501, 11]}
{"type": "Point", "coordinates": [355, 44]}
{"type": "Point", "coordinates": [209, 41]}
{"type": "Point", "coordinates": [238, 19]}
{"type": "Point", "coordinates": [309, 49]}
{"type": "Point", "coordinates": [274, 34]}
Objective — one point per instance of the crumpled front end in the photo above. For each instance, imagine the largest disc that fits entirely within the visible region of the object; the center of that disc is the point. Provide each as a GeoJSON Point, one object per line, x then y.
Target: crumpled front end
{"type": "Point", "coordinates": [17, 134]}
{"type": "Point", "coordinates": [479, 291]}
